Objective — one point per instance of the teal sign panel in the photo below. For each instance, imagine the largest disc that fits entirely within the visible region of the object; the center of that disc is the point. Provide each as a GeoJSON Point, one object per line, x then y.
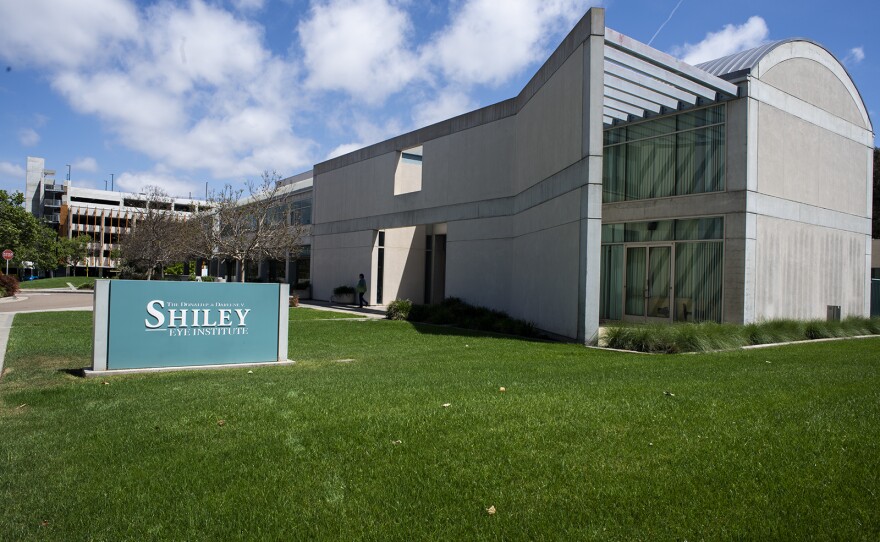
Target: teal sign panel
{"type": "Point", "coordinates": [173, 324]}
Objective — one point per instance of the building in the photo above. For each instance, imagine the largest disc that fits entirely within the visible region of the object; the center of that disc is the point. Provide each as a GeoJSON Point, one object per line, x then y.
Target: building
{"type": "Point", "coordinates": [103, 215]}
{"type": "Point", "coordinates": [621, 183]}
{"type": "Point", "coordinates": [296, 192]}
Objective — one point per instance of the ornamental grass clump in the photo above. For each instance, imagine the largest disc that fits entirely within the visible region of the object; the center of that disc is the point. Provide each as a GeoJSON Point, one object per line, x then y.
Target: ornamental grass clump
{"type": "Point", "coordinates": [398, 309]}
{"type": "Point", "coordinates": [709, 336]}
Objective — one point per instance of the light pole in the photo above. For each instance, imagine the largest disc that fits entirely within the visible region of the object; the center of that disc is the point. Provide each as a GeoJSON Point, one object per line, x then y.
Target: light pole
{"type": "Point", "coordinates": [68, 172]}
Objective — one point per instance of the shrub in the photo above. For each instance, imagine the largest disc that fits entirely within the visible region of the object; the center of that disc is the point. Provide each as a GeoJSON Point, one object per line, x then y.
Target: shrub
{"type": "Point", "coordinates": [294, 301]}
{"type": "Point", "coordinates": [9, 284]}
{"type": "Point", "coordinates": [342, 290]}
{"type": "Point", "coordinates": [208, 279]}
{"type": "Point", "coordinates": [2, 292]}
{"type": "Point", "coordinates": [398, 309]}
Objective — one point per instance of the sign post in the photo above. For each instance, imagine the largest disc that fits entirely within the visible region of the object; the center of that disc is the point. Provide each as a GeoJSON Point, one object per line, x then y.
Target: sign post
{"type": "Point", "coordinates": [155, 325]}
{"type": "Point", "coordinates": [7, 255]}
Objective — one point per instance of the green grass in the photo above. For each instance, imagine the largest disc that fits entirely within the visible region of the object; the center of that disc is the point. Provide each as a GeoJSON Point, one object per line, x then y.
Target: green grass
{"type": "Point", "coordinates": [780, 443]}
{"type": "Point", "coordinates": [58, 282]}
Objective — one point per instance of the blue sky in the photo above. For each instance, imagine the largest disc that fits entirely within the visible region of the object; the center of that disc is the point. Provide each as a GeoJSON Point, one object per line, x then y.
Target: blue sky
{"type": "Point", "coordinates": [183, 93]}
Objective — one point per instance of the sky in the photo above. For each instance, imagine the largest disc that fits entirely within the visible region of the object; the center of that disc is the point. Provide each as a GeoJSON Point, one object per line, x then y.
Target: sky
{"type": "Point", "coordinates": [189, 95]}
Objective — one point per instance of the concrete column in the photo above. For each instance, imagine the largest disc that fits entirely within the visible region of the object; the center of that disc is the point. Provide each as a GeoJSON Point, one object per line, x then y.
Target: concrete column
{"type": "Point", "coordinates": [591, 193]}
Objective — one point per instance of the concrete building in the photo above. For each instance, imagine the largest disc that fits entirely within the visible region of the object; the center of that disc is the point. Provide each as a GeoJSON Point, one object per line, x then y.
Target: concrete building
{"type": "Point", "coordinates": [621, 183]}
{"type": "Point", "coordinates": [103, 215]}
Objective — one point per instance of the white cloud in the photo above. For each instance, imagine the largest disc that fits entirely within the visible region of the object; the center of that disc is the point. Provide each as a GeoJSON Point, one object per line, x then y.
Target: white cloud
{"type": "Point", "coordinates": [248, 5]}
{"type": "Point", "coordinates": [49, 33]}
{"type": "Point", "coordinates": [359, 47]}
{"type": "Point", "coordinates": [366, 133]}
{"type": "Point", "coordinates": [487, 44]}
{"type": "Point", "coordinates": [85, 164]}
{"type": "Point", "coordinates": [195, 89]}
{"type": "Point", "coordinates": [138, 181]}
{"type": "Point", "coordinates": [446, 104]}
{"type": "Point", "coordinates": [727, 41]}
{"type": "Point", "coordinates": [855, 56]}
{"type": "Point", "coordinates": [12, 171]}
{"type": "Point", "coordinates": [28, 137]}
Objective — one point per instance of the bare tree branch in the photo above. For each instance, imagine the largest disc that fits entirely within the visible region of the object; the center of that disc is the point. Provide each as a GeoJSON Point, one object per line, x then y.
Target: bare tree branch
{"type": "Point", "coordinates": [248, 228]}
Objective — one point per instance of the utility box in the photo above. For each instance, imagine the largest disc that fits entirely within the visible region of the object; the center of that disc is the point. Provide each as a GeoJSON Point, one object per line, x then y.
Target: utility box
{"type": "Point", "coordinates": [833, 313]}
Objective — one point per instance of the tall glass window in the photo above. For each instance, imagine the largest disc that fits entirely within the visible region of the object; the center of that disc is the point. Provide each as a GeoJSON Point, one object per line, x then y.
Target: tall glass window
{"type": "Point", "coordinates": [698, 271]}
{"type": "Point", "coordinates": [669, 156]}
{"type": "Point", "coordinates": [636, 256]}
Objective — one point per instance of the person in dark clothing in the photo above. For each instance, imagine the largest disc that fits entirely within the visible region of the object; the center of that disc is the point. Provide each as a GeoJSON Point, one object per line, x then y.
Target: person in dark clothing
{"type": "Point", "coordinates": [361, 290]}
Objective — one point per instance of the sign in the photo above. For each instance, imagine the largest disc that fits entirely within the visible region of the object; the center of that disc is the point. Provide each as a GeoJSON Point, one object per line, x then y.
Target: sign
{"type": "Point", "coordinates": [157, 324]}
{"type": "Point", "coordinates": [7, 254]}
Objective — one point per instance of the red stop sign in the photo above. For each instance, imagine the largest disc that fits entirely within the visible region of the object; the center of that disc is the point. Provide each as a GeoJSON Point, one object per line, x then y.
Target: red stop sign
{"type": "Point", "coordinates": [7, 254]}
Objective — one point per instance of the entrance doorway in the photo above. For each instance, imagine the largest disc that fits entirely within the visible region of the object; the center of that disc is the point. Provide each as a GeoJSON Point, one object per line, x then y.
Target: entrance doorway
{"type": "Point", "coordinates": [648, 283]}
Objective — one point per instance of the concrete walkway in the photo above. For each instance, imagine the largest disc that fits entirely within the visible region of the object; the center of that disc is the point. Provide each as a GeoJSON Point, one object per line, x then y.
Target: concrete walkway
{"type": "Point", "coordinates": [371, 311]}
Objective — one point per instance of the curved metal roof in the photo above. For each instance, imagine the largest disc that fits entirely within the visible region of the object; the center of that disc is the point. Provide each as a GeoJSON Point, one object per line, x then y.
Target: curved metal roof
{"type": "Point", "coordinates": [744, 61]}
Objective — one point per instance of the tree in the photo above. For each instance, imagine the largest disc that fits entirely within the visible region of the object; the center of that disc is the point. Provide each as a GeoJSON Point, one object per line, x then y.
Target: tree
{"type": "Point", "coordinates": [30, 239]}
{"type": "Point", "coordinates": [157, 236]}
{"type": "Point", "coordinates": [73, 251]}
{"type": "Point", "coordinates": [247, 229]}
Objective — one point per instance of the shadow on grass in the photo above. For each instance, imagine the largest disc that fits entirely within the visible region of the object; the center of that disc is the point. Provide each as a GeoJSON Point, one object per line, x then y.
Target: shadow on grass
{"type": "Point", "coordinates": [79, 373]}
{"type": "Point", "coordinates": [452, 330]}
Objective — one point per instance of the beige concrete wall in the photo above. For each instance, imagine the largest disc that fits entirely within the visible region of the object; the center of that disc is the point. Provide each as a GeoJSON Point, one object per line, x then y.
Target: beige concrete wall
{"type": "Point", "coordinates": [803, 162]}
{"type": "Point", "coordinates": [404, 276]}
{"type": "Point", "coordinates": [803, 268]}
{"type": "Point", "coordinates": [545, 285]}
{"type": "Point", "coordinates": [549, 129]}
{"type": "Point", "coordinates": [812, 82]}
{"type": "Point", "coordinates": [338, 259]}
{"type": "Point", "coordinates": [470, 165]}
{"type": "Point", "coordinates": [479, 257]}
{"type": "Point", "coordinates": [361, 189]}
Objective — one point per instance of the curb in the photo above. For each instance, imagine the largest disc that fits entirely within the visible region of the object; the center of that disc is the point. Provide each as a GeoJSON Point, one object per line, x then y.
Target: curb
{"type": "Point", "coordinates": [5, 327]}
{"type": "Point", "coordinates": [55, 291]}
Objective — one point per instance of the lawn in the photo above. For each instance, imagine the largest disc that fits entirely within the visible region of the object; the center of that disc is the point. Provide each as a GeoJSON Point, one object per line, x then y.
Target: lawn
{"type": "Point", "coordinates": [57, 282]}
{"type": "Point", "coordinates": [353, 442]}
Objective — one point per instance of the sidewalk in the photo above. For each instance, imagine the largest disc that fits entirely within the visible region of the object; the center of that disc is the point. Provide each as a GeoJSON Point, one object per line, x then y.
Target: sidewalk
{"type": "Point", "coordinates": [24, 291]}
{"type": "Point", "coordinates": [371, 311]}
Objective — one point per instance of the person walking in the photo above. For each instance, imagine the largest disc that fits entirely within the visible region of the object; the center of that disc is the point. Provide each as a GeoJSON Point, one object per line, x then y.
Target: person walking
{"type": "Point", "coordinates": [361, 290]}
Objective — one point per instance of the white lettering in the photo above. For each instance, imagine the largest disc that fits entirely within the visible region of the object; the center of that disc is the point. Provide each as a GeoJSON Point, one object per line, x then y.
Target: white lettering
{"type": "Point", "coordinates": [152, 311]}
{"type": "Point", "coordinates": [241, 316]}
{"type": "Point", "coordinates": [225, 317]}
{"type": "Point", "coordinates": [172, 317]}
{"type": "Point", "coordinates": [205, 322]}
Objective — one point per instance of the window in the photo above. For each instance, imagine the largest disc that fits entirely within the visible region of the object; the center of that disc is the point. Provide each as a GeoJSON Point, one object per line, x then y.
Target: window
{"type": "Point", "coordinates": [300, 268]}
{"type": "Point", "coordinates": [670, 156]}
{"type": "Point", "coordinates": [301, 212]}
{"type": "Point", "coordinates": [408, 177]}
{"type": "Point", "coordinates": [696, 270]}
